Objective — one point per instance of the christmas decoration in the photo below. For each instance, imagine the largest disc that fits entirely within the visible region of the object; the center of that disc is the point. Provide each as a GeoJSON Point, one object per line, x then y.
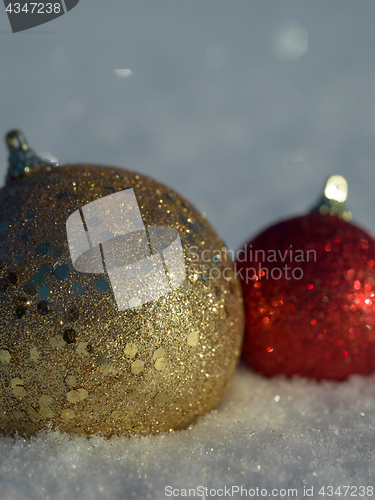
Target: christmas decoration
{"type": "Point", "coordinates": [110, 322]}
{"type": "Point", "coordinates": [308, 286]}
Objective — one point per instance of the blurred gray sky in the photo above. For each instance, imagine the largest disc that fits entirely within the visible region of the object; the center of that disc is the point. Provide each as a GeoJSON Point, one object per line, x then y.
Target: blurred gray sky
{"type": "Point", "coordinates": [244, 107]}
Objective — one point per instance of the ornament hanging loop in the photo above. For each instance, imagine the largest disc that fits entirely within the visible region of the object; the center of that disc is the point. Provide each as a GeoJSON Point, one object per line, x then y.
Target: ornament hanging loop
{"type": "Point", "coordinates": [23, 160]}
{"type": "Point", "coordinates": [333, 200]}
{"type": "Point", "coordinates": [16, 141]}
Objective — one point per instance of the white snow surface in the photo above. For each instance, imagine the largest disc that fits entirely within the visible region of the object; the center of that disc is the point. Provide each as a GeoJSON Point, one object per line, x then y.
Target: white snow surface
{"type": "Point", "coordinates": [266, 433]}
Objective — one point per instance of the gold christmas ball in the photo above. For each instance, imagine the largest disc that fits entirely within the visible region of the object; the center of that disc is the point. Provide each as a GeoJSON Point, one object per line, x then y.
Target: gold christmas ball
{"type": "Point", "coordinates": [121, 312]}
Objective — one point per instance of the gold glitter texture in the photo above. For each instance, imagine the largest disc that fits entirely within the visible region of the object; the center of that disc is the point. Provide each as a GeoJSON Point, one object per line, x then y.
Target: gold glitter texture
{"type": "Point", "coordinates": [68, 357]}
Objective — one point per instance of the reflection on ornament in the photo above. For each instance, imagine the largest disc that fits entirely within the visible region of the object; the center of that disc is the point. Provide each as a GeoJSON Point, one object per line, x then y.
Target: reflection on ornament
{"type": "Point", "coordinates": [71, 356]}
{"type": "Point", "coordinates": [309, 294]}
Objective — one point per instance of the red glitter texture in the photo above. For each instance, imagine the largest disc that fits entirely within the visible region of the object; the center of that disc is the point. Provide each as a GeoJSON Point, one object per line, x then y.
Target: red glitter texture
{"type": "Point", "coordinates": [320, 323]}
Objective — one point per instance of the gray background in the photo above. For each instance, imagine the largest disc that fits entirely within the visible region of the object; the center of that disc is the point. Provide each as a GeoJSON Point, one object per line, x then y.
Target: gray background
{"type": "Point", "coordinates": [215, 107]}
{"type": "Point", "coordinates": [227, 106]}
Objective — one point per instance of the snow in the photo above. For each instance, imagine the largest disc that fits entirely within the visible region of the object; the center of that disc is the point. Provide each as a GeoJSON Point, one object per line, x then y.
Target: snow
{"type": "Point", "coordinates": [270, 434]}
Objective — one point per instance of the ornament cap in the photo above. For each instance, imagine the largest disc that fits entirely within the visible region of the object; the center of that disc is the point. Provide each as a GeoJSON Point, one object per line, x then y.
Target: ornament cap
{"type": "Point", "coordinates": [333, 200]}
{"type": "Point", "coordinates": [22, 159]}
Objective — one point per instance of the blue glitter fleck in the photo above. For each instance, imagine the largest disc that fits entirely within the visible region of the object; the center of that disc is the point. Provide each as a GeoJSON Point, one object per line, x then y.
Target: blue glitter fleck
{"type": "Point", "coordinates": [101, 285]}
{"type": "Point", "coordinates": [62, 272]}
{"type": "Point", "coordinates": [45, 269]}
{"type": "Point", "coordinates": [79, 289]}
{"type": "Point", "coordinates": [29, 288]}
{"type": "Point", "coordinates": [44, 293]}
{"type": "Point", "coordinates": [43, 248]}
{"type": "Point", "coordinates": [4, 226]}
{"type": "Point", "coordinates": [37, 278]}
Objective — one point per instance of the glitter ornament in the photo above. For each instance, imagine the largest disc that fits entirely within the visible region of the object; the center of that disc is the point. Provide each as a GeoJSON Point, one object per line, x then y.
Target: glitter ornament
{"type": "Point", "coordinates": [308, 286]}
{"type": "Point", "coordinates": [77, 351]}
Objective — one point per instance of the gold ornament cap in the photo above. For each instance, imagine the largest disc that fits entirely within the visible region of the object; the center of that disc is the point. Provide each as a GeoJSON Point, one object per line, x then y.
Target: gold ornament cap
{"type": "Point", "coordinates": [334, 197]}
{"type": "Point", "coordinates": [22, 159]}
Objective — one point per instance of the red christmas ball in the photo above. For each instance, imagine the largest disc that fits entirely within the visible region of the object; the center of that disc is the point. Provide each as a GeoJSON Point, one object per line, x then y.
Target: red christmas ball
{"type": "Point", "coordinates": [309, 296]}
